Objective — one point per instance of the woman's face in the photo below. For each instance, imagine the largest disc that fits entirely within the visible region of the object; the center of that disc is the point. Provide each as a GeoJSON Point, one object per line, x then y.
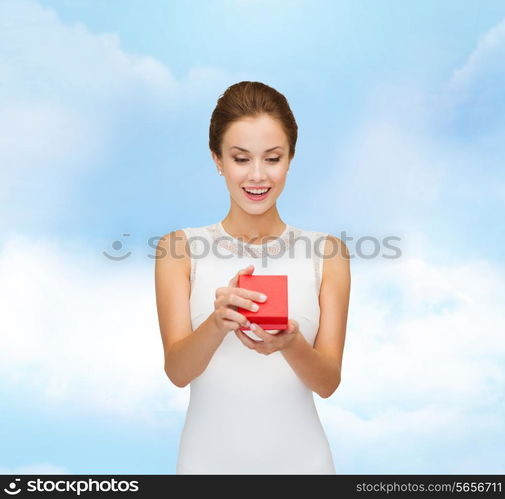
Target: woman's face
{"type": "Point", "coordinates": [254, 154]}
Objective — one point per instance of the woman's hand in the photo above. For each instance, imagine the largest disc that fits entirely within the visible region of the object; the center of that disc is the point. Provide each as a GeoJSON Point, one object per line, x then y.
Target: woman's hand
{"type": "Point", "coordinates": [271, 342]}
{"type": "Point", "coordinates": [227, 300]}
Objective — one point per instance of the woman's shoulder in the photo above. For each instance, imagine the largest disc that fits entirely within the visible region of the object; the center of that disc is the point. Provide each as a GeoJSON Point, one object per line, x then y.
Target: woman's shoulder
{"type": "Point", "coordinates": [172, 249]}
{"type": "Point", "coordinates": [317, 236]}
{"type": "Point", "coordinates": [328, 243]}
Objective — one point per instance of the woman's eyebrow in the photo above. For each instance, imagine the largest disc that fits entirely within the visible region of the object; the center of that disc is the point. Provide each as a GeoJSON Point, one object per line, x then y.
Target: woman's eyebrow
{"type": "Point", "coordinates": [245, 150]}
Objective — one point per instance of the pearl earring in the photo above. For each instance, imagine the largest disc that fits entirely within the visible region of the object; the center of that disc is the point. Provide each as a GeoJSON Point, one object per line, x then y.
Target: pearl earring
{"type": "Point", "coordinates": [220, 172]}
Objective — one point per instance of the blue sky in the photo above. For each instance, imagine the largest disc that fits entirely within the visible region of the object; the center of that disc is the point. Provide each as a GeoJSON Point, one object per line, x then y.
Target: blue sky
{"type": "Point", "coordinates": [104, 115]}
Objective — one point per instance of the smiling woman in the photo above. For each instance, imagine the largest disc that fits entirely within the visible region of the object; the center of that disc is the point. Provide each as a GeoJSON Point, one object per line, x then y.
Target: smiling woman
{"type": "Point", "coordinates": [251, 406]}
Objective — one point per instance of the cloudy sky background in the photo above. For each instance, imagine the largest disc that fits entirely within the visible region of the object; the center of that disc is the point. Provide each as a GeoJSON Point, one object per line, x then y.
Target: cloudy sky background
{"type": "Point", "coordinates": [104, 113]}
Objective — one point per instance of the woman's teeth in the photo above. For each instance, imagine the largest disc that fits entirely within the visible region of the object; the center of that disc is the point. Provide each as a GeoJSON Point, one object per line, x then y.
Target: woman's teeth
{"type": "Point", "coordinates": [257, 191]}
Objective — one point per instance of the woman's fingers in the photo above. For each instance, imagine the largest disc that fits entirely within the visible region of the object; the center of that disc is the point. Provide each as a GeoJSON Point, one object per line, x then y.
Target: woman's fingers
{"type": "Point", "coordinates": [244, 339]}
{"type": "Point", "coordinates": [292, 326]}
{"type": "Point", "coordinates": [248, 270]}
{"type": "Point", "coordinates": [233, 315]}
{"type": "Point", "coordinates": [259, 331]}
{"type": "Point", "coordinates": [245, 299]}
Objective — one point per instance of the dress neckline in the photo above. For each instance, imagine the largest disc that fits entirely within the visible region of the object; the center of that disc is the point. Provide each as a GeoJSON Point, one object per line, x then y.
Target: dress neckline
{"type": "Point", "coordinates": [283, 236]}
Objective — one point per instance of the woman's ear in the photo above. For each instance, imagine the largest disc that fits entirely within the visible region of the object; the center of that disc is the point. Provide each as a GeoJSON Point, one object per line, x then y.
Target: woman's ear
{"type": "Point", "coordinates": [216, 160]}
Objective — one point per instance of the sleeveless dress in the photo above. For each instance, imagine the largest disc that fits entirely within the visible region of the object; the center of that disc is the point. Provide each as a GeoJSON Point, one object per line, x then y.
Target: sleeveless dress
{"type": "Point", "coordinates": [250, 413]}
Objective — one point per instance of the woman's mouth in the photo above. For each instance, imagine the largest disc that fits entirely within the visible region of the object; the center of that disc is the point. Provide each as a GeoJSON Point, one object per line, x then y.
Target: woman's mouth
{"type": "Point", "coordinates": [256, 194]}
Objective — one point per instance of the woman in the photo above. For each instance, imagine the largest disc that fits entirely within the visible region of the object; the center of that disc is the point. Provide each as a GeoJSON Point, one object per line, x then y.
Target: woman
{"type": "Point", "coordinates": [251, 408]}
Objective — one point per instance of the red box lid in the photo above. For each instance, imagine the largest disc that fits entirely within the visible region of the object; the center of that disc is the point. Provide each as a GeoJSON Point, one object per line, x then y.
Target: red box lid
{"type": "Point", "coordinates": [273, 313]}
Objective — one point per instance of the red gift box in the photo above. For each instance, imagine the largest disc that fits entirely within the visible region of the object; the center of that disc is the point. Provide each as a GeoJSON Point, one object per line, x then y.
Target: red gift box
{"type": "Point", "coordinates": [273, 313]}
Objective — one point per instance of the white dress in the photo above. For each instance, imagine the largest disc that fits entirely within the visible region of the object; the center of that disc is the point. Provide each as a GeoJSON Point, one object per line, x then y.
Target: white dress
{"type": "Point", "coordinates": [250, 413]}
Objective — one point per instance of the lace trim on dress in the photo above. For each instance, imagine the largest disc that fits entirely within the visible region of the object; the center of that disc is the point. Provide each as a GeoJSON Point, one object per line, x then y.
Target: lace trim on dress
{"type": "Point", "coordinates": [272, 247]}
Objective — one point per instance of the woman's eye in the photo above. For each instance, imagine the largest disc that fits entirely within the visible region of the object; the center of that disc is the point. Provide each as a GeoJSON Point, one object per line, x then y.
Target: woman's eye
{"type": "Point", "coordinates": [242, 160]}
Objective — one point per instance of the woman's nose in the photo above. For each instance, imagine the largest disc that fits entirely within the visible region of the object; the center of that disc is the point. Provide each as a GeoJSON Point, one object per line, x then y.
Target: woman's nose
{"type": "Point", "coordinates": [257, 170]}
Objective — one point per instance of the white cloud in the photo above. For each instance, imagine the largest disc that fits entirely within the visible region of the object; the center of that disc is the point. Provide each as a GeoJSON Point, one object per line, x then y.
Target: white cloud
{"type": "Point", "coordinates": [424, 159]}
{"type": "Point", "coordinates": [35, 469]}
{"type": "Point", "coordinates": [69, 100]}
{"type": "Point", "coordinates": [423, 369]}
{"type": "Point", "coordinates": [474, 93]}
{"type": "Point", "coordinates": [63, 85]}
{"type": "Point", "coordinates": [45, 57]}
{"type": "Point", "coordinates": [82, 332]}
{"type": "Point", "coordinates": [489, 55]}
{"type": "Point", "coordinates": [63, 89]}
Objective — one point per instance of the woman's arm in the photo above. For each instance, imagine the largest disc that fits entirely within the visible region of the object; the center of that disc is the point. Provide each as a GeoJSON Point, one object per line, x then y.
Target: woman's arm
{"type": "Point", "coordinates": [320, 366]}
{"type": "Point", "coordinates": [187, 358]}
{"type": "Point", "coordinates": [186, 352]}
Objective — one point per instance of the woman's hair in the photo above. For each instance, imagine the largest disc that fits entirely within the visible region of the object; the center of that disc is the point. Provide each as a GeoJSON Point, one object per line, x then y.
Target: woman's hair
{"type": "Point", "coordinates": [250, 99]}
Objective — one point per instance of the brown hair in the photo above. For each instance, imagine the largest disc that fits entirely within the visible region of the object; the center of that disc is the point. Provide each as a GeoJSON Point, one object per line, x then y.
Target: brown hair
{"type": "Point", "coordinates": [250, 98]}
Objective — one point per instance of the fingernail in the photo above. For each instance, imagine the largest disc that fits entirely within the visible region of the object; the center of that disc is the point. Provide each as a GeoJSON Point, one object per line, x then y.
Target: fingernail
{"type": "Point", "coordinates": [253, 326]}
{"type": "Point", "coordinates": [248, 324]}
{"type": "Point", "coordinates": [255, 307]}
{"type": "Point", "coordinates": [263, 297]}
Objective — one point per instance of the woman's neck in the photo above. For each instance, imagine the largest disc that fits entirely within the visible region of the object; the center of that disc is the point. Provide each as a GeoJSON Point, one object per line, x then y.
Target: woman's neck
{"type": "Point", "coordinates": [253, 227]}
